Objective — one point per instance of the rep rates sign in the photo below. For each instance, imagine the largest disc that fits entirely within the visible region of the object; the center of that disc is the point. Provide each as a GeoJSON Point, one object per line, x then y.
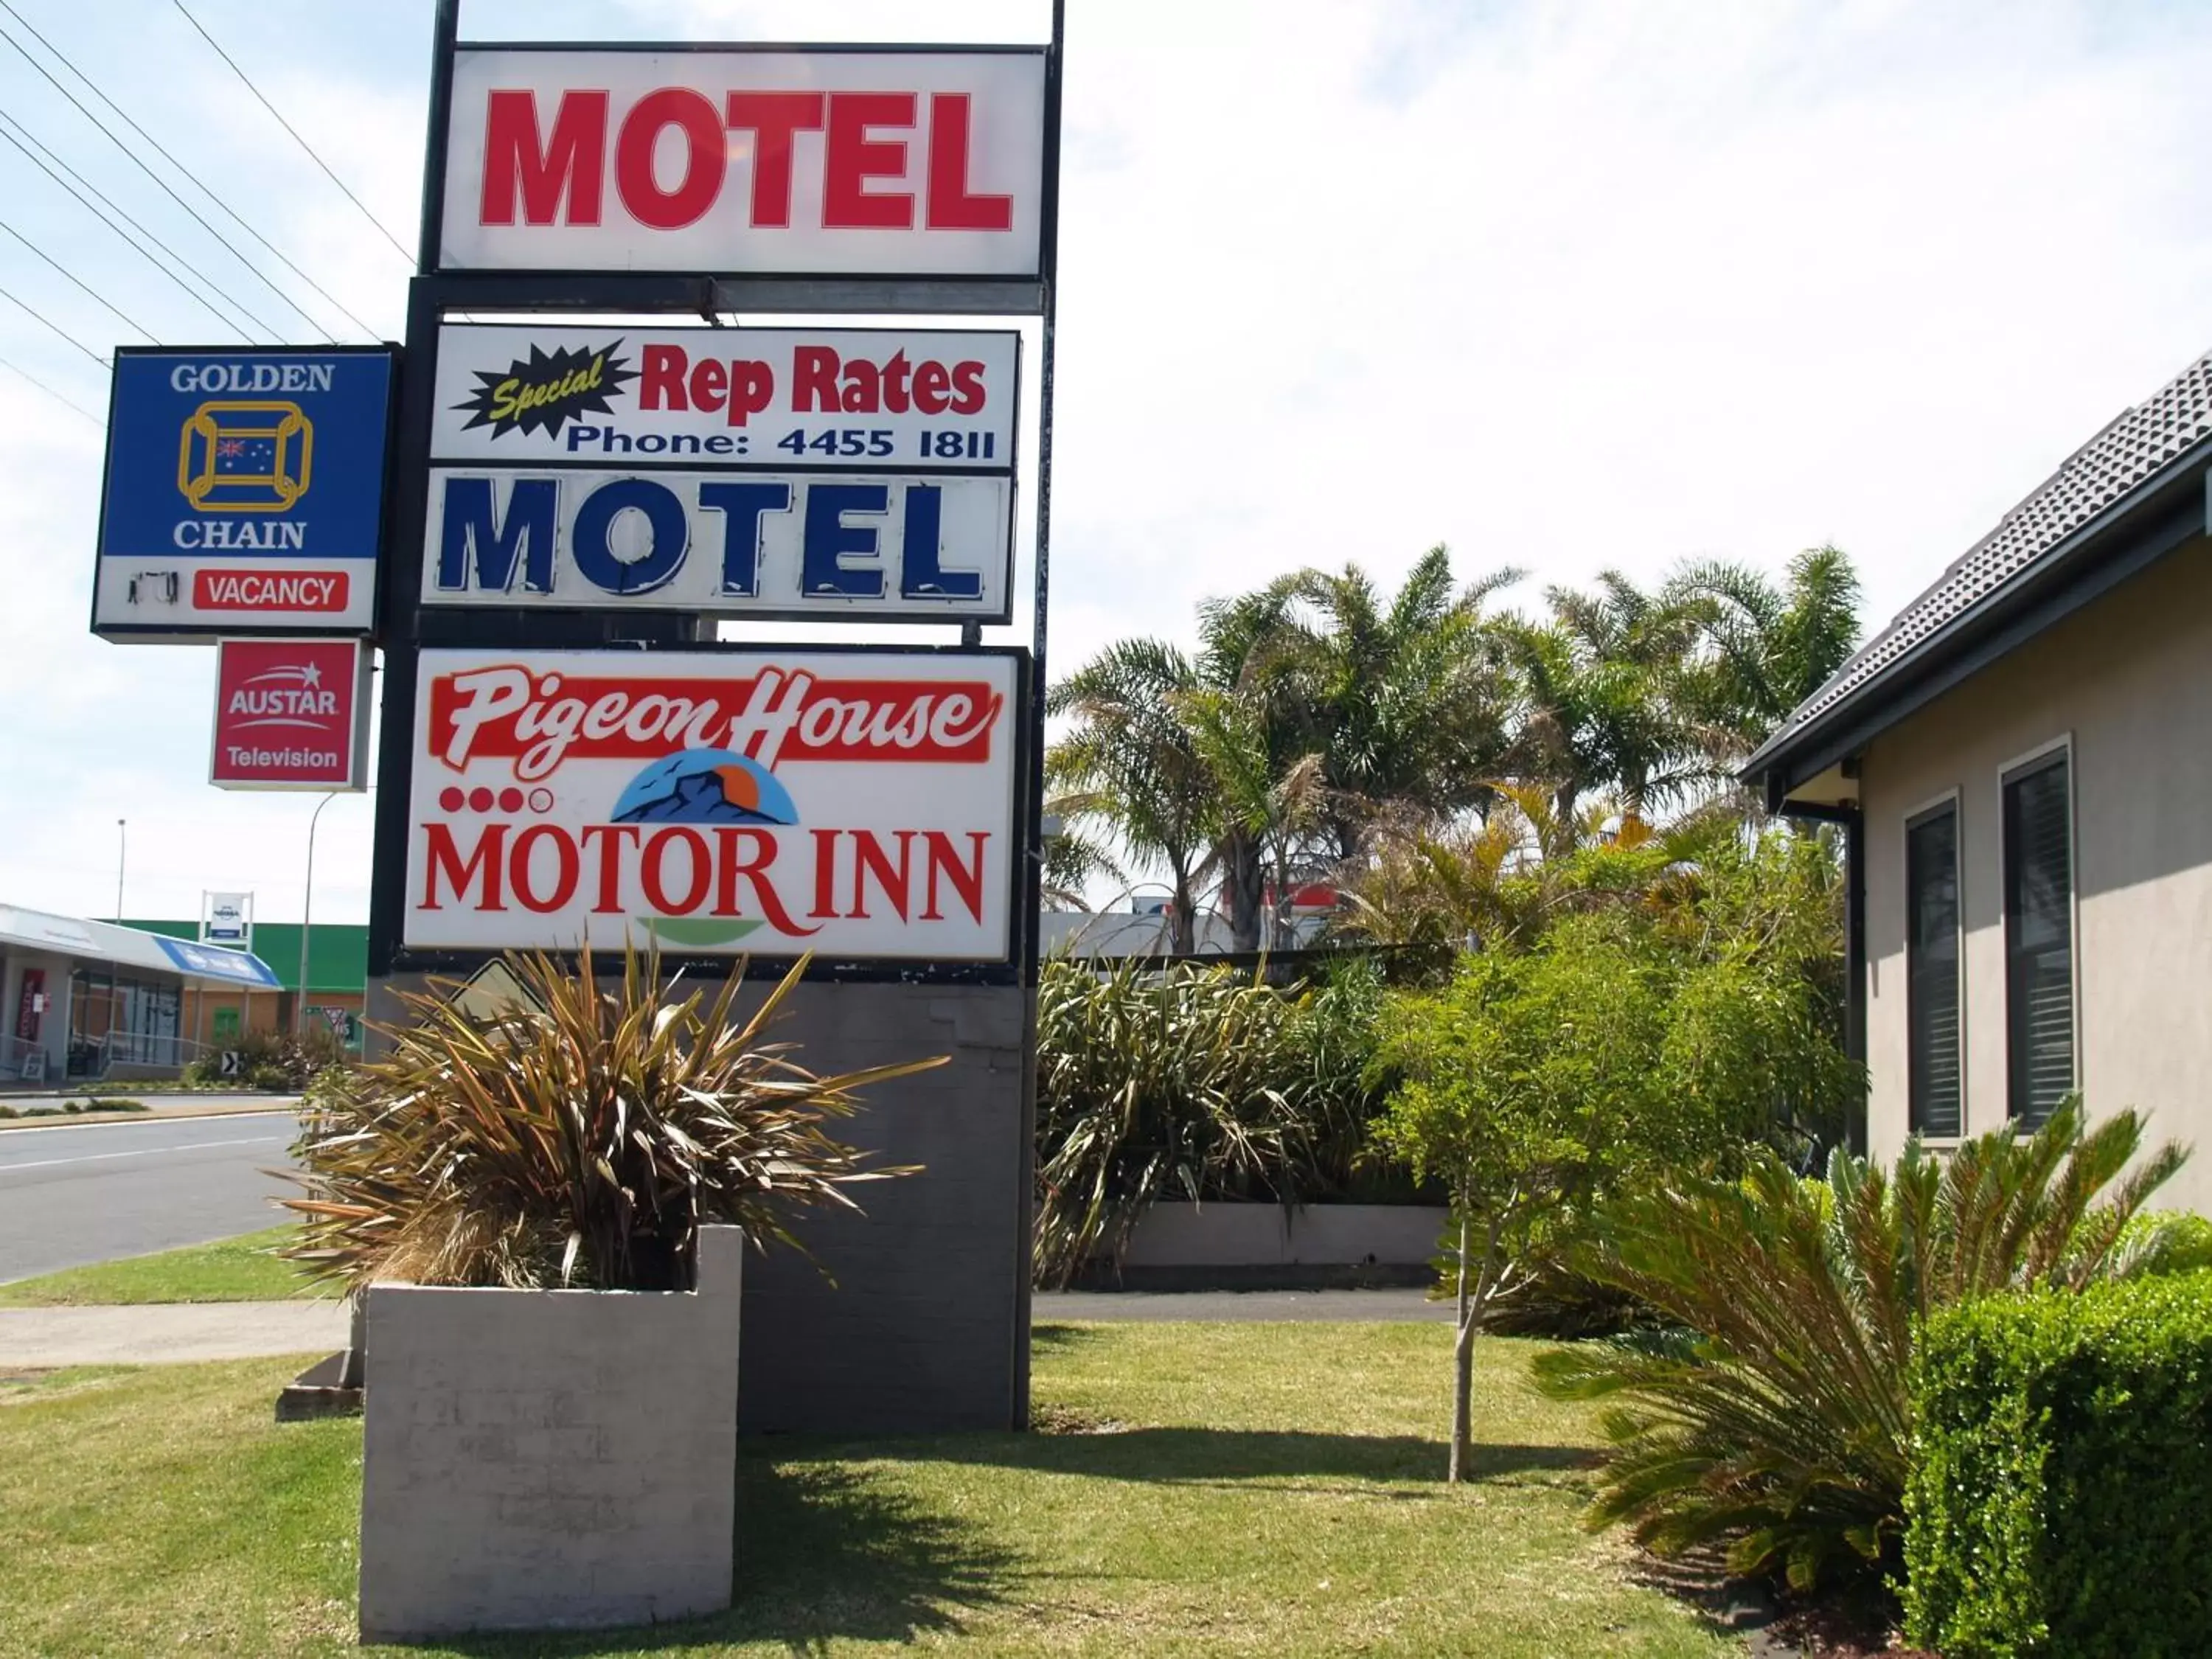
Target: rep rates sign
{"type": "Point", "coordinates": [859, 474]}
{"type": "Point", "coordinates": [807, 161]}
{"type": "Point", "coordinates": [851, 804]}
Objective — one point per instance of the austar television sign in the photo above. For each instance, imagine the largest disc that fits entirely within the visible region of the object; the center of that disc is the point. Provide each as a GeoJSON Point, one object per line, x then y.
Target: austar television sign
{"type": "Point", "coordinates": [290, 715]}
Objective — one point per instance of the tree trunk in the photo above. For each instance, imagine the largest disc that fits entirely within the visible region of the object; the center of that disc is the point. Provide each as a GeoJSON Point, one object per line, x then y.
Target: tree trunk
{"type": "Point", "coordinates": [1247, 877]}
{"type": "Point", "coordinates": [1462, 1365]}
{"type": "Point", "coordinates": [1182, 920]}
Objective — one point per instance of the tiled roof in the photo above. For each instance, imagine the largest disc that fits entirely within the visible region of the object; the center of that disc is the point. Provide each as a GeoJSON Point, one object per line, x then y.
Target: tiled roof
{"type": "Point", "coordinates": [2137, 445]}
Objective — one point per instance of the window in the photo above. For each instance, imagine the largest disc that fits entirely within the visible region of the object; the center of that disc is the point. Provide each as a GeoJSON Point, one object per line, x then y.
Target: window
{"type": "Point", "coordinates": [2039, 900]}
{"type": "Point", "coordinates": [1931, 972]}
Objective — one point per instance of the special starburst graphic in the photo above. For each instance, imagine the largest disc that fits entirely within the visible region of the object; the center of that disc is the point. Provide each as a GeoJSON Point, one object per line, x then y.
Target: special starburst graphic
{"type": "Point", "coordinates": [537, 393]}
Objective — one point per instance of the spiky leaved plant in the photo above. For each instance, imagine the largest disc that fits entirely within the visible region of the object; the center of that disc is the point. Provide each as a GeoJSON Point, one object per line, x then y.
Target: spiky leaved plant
{"type": "Point", "coordinates": [579, 1138]}
{"type": "Point", "coordinates": [1778, 1419]}
{"type": "Point", "coordinates": [1190, 1082]}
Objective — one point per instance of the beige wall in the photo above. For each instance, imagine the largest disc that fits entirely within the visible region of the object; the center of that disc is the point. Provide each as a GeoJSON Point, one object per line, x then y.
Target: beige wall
{"type": "Point", "coordinates": [2129, 681]}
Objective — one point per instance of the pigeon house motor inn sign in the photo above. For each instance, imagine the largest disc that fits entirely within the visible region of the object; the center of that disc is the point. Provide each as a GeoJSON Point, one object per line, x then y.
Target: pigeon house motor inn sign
{"type": "Point", "coordinates": [848, 804]}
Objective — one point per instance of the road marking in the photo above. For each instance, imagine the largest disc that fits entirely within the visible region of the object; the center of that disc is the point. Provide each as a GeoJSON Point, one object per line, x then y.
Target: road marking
{"type": "Point", "coordinates": [143, 1151]}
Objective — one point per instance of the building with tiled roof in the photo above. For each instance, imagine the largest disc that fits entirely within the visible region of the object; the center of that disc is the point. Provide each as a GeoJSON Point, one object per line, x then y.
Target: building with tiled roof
{"type": "Point", "coordinates": [2022, 763]}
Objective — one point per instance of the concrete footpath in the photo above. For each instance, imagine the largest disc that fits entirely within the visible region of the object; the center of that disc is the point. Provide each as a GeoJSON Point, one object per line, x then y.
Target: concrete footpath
{"type": "Point", "coordinates": [42, 1339]}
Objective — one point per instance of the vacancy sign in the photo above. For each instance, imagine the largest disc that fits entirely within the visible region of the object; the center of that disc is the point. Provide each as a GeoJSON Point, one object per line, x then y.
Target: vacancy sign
{"type": "Point", "coordinates": [804, 161]}
{"type": "Point", "coordinates": [291, 714]}
{"type": "Point", "coordinates": [849, 804]}
{"type": "Point", "coordinates": [243, 494]}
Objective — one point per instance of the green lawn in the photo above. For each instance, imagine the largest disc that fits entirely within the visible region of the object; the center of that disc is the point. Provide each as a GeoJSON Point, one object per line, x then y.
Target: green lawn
{"type": "Point", "coordinates": [1264, 1489]}
{"type": "Point", "coordinates": [242, 1269]}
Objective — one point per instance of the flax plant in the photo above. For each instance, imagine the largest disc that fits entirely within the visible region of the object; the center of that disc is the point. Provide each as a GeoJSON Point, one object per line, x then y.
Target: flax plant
{"type": "Point", "coordinates": [579, 1138]}
{"type": "Point", "coordinates": [1179, 1081]}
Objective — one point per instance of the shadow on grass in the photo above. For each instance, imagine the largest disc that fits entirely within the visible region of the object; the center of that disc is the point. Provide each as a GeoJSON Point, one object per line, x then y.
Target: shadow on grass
{"type": "Point", "coordinates": [824, 1553]}
{"type": "Point", "coordinates": [1195, 1456]}
{"type": "Point", "coordinates": [1060, 1338]}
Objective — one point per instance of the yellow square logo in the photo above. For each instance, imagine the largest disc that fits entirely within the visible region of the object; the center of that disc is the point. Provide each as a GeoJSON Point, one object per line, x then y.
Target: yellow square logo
{"type": "Point", "coordinates": [245, 456]}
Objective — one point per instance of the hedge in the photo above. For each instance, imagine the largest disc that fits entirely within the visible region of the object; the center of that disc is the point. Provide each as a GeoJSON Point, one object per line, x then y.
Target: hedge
{"type": "Point", "coordinates": [2060, 1496]}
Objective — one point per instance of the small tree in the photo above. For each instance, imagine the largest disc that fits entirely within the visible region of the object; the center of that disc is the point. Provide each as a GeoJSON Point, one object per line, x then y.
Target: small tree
{"type": "Point", "coordinates": [1526, 1087]}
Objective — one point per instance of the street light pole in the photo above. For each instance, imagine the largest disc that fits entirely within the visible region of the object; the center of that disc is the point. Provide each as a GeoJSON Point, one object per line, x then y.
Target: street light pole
{"type": "Point", "coordinates": [307, 912]}
{"type": "Point", "coordinates": [122, 845]}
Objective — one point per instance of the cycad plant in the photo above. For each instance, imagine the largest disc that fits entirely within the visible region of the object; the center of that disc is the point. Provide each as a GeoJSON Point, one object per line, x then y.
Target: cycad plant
{"type": "Point", "coordinates": [1778, 1420]}
{"type": "Point", "coordinates": [580, 1137]}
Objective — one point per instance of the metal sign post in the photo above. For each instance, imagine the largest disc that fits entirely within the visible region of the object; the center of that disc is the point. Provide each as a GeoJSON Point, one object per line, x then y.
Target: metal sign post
{"type": "Point", "coordinates": [568, 753]}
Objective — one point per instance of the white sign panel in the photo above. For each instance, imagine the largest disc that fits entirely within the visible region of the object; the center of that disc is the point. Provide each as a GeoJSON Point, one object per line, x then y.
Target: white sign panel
{"type": "Point", "coordinates": [851, 803]}
{"type": "Point", "coordinates": [227, 919]}
{"type": "Point", "coordinates": [809, 161]}
{"type": "Point", "coordinates": [721, 544]}
{"type": "Point", "coordinates": [718, 396]}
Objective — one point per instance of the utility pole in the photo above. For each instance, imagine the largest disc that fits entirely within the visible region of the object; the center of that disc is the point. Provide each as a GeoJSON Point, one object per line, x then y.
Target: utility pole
{"type": "Point", "coordinates": [307, 913]}
{"type": "Point", "coordinates": [122, 845]}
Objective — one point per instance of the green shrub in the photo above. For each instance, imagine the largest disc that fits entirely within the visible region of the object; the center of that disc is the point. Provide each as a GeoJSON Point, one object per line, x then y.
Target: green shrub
{"type": "Point", "coordinates": [1191, 1082]}
{"type": "Point", "coordinates": [278, 1062]}
{"type": "Point", "coordinates": [2164, 1242]}
{"type": "Point", "coordinates": [2060, 1501]}
{"type": "Point", "coordinates": [1784, 1426]}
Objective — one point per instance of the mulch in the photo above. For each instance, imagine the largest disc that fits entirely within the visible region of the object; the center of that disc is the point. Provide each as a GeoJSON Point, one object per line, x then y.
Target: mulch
{"type": "Point", "coordinates": [1857, 1626]}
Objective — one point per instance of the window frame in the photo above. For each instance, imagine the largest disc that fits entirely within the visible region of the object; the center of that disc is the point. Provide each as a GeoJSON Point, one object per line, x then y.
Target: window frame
{"type": "Point", "coordinates": [2009, 771]}
{"type": "Point", "coordinates": [1952, 800]}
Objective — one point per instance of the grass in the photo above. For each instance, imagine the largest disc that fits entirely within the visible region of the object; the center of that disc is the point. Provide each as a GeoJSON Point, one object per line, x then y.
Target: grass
{"type": "Point", "coordinates": [230, 1270]}
{"type": "Point", "coordinates": [1260, 1489]}
{"type": "Point", "coordinates": [74, 1108]}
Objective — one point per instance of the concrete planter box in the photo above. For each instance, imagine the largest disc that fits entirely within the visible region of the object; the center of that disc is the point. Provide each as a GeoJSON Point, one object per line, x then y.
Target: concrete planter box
{"type": "Point", "coordinates": [538, 1460]}
{"type": "Point", "coordinates": [1267, 1247]}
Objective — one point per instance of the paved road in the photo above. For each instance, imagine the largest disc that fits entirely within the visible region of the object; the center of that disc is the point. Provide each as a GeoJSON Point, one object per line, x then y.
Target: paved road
{"type": "Point", "coordinates": [71, 1196]}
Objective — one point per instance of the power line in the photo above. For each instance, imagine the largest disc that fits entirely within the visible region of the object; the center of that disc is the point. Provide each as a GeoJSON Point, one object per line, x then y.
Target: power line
{"type": "Point", "coordinates": [18, 369]}
{"type": "Point", "coordinates": [227, 320]}
{"type": "Point", "coordinates": [56, 328]}
{"type": "Point", "coordinates": [87, 288]}
{"type": "Point", "coordinates": [288, 126]}
{"type": "Point", "coordinates": [197, 182]}
{"type": "Point", "coordinates": [138, 162]}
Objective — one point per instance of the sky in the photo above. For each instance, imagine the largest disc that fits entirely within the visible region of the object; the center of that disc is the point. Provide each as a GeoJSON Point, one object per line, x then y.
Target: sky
{"type": "Point", "coordinates": [1563, 285]}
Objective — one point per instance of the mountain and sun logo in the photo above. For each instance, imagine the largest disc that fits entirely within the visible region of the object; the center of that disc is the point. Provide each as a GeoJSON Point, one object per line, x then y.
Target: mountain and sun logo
{"type": "Point", "coordinates": [703, 785]}
{"type": "Point", "coordinates": [546, 389]}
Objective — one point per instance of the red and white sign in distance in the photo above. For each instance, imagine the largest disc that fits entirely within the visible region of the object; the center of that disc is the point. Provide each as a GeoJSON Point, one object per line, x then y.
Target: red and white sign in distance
{"type": "Point", "coordinates": [802, 161]}
{"type": "Point", "coordinates": [290, 715]}
{"type": "Point", "coordinates": [857, 803]}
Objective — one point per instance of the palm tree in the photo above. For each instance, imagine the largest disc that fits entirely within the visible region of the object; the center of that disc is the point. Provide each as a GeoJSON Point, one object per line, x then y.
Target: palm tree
{"type": "Point", "coordinates": [1765, 649]}
{"type": "Point", "coordinates": [1601, 680]}
{"type": "Point", "coordinates": [1130, 765]}
{"type": "Point", "coordinates": [1406, 699]}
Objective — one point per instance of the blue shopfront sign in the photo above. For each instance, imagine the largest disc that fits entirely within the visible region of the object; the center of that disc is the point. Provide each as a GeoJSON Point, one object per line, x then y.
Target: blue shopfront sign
{"type": "Point", "coordinates": [244, 492]}
{"type": "Point", "coordinates": [215, 962]}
